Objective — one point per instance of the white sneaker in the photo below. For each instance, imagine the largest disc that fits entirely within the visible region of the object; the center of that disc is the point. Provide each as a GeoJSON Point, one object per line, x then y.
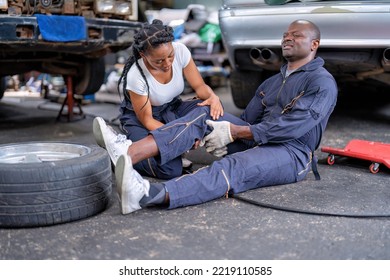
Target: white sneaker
{"type": "Point", "coordinates": [106, 137]}
{"type": "Point", "coordinates": [130, 185]}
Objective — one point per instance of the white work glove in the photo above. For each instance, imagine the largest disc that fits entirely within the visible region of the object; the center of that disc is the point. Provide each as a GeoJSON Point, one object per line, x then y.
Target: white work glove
{"type": "Point", "coordinates": [220, 152]}
{"type": "Point", "coordinates": [219, 137]}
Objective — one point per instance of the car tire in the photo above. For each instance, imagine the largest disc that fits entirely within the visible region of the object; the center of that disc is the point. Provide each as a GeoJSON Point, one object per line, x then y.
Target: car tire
{"type": "Point", "coordinates": [48, 183]}
{"type": "Point", "coordinates": [91, 76]}
{"type": "Point", "coordinates": [3, 86]}
{"type": "Point", "coordinates": [243, 86]}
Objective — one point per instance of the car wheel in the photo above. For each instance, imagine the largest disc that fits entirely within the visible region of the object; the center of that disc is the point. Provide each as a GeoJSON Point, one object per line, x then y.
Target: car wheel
{"type": "Point", "coordinates": [243, 85]}
{"type": "Point", "coordinates": [47, 183]}
{"type": "Point", "coordinates": [91, 76]}
{"type": "Point", "coordinates": [3, 86]}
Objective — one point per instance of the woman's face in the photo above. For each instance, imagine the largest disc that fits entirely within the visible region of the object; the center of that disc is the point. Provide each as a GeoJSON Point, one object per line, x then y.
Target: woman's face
{"type": "Point", "coordinates": [160, 58]}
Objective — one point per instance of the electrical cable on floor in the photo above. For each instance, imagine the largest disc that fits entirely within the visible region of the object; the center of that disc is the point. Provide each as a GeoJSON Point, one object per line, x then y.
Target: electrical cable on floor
{"type": "Point", "coordinates": [293, 210]}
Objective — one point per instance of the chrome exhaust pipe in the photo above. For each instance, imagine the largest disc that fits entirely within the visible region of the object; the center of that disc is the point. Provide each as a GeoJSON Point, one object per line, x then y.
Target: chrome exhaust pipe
{"type": "Point", "coordinates": [255, 53]}
{"type": "Point", "coordinates": [265, 58]}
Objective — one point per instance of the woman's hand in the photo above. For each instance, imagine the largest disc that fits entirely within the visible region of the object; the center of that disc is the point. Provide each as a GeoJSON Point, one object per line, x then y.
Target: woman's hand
{"type": "Point", "coordinates": [216, 109]}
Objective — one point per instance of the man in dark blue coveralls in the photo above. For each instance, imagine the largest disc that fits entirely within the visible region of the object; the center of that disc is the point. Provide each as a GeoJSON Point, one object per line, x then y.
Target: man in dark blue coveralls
{"type": "Point", "coordinates": [272, 143]}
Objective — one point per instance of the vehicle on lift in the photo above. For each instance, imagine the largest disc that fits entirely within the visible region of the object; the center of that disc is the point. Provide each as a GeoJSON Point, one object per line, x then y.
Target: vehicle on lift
{"type": "Point", "coordinates": [64, 37]}
{"type": "Point", "coordinates": [355, 40]}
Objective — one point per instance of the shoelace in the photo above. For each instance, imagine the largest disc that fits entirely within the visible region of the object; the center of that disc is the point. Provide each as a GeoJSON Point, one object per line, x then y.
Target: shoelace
{"type": "Point", "coordinates": [142, 186]}
{"type": "Point", "coordinates": [139, 183]}
{"type": "Point", "coordinates": [120, 138]}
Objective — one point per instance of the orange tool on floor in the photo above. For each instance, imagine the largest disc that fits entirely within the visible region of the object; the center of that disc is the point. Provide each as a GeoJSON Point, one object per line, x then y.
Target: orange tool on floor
{"type": "Point", "coordinates": [376, 152]}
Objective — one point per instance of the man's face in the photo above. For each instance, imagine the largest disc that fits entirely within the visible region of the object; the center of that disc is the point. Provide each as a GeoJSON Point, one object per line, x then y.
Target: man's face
{"type": "Point", "coordinates": [297, 42]}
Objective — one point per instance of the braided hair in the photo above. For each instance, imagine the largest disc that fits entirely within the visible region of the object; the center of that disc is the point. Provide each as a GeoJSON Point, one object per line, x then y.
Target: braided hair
{"type": "Point", "coordinates": [150, 36]}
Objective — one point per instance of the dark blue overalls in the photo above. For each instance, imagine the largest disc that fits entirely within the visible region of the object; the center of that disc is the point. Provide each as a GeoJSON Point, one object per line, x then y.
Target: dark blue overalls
{"type": "Point", "coordinates": [287, 117]}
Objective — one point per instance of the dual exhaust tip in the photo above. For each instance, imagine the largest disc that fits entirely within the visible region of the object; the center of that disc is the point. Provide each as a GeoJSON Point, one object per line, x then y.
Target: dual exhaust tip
{"type": "Point", "coordinates": [265, 58]}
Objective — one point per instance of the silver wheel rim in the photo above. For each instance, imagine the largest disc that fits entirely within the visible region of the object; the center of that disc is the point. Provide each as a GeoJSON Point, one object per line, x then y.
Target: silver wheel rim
{"type": "Point", "coordinates": [40, 152]}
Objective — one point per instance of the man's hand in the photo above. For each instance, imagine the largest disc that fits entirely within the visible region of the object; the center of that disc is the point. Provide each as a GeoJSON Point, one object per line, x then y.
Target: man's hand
{"type": "Point", "coordinates": [219, 137]}
{"type": "Point", "coordinates": [220, 152]}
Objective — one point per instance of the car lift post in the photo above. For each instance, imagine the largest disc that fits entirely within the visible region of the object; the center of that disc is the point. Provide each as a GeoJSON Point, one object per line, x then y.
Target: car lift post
{"type": "Point", "coordinates": [70, 101]}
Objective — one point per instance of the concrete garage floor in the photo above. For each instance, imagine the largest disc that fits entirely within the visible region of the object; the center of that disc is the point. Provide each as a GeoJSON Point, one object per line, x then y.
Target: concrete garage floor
{"type": "Point", "coordinates": [358, 226]}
